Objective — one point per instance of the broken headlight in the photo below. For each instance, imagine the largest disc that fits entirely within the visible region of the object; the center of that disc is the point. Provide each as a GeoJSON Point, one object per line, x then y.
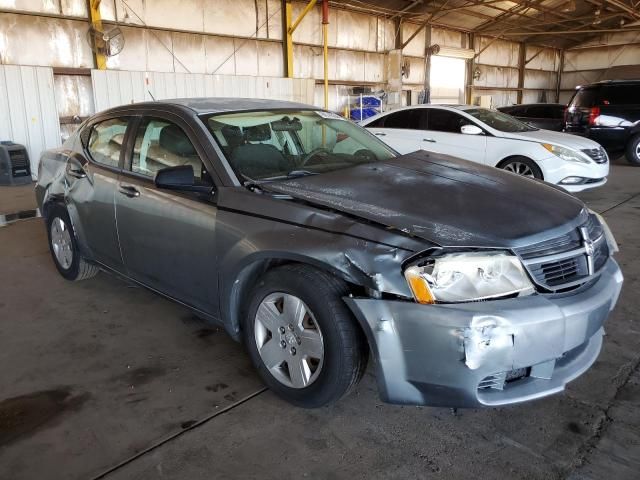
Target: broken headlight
{"type": "Point", "coordinates": [608, 235]}
{"type": "Point", "coordinates": [467, 277]}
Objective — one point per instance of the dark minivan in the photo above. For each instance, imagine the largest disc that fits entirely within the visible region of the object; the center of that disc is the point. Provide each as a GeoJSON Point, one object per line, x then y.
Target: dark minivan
{"type": "Point", "coordinates": [547, 116]}
{"type": "Point", "coordinates": [609, 113]}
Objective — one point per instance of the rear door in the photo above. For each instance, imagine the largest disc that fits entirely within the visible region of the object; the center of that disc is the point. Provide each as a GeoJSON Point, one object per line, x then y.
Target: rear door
{"type": "Point", "coordinates": [92, 178]}
{"type": "Point", "coordinates": [167, 237]}
{"type": "Point", "coordinates": [401, 130]}
{"type": "Point", "coordinates": [443, 135]}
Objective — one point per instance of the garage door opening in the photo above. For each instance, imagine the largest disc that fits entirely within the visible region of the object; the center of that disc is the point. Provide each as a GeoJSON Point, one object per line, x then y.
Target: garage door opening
{"type": "Point", "coordinates": [447, 79]}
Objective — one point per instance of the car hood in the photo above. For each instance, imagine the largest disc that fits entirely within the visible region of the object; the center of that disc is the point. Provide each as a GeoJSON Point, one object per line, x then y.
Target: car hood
{"type": "Point", "coordinates": [558, 138]}
{"type": "Point", "coordinates": [443, 200]}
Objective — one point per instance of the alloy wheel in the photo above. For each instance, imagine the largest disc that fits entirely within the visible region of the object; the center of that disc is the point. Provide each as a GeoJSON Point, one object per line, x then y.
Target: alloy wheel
{"type": "Point", "coordinates": [61, 243]}
{"type": "Point", "coordinates": [289, 340]}
{"type": "Point", "coordinates": [519, 168]}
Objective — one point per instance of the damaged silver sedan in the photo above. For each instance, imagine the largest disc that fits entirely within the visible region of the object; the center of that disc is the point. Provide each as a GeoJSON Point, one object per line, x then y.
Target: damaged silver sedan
{"type": "Point", "coordinates": [316, 245]}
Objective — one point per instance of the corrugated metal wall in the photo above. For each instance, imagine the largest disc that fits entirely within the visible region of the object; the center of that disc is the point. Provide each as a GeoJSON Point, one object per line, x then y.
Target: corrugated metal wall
{"type": "Point", "coordinates": [28, 113]}
{"type": "Point", "coordinates": [607, 57]}
{"type": "Point", "coordinates": [113, 88]}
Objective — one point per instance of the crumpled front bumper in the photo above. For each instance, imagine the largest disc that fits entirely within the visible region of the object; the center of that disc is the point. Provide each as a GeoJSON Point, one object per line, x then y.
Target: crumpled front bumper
{"type": "Point", "coordinates": [462, 355]}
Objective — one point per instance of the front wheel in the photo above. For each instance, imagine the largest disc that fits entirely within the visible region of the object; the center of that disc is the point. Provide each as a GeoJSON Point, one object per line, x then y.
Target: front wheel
{"type": "Point", "coordinates": [302, 338]}
{"type": "Point", "coordinates": [522, 166]}
{"type": "Point", "coordinates": [64, 247]}
{"type": "Point", "coordinates": [633, 151]}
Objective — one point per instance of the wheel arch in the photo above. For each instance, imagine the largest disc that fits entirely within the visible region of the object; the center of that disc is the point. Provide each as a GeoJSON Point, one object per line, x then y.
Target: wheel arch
{"type": "Point", "coordinates": [247, 276]}
{"type": "Point", "coordinates": [509, 158]}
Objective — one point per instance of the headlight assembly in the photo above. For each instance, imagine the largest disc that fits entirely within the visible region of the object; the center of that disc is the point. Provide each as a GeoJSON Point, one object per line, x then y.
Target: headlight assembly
{"type": "Point", "coordinates": [567, 154]}
{"type": "Point", "coordinates": [466, 277]}
{"type": "Point", "coordinates": [608, 235]}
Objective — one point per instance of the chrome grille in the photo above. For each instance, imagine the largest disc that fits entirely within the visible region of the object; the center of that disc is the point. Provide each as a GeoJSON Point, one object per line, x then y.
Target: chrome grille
{"type": "Point", "coordinates": [598, 155]}
{"type": "Point", "coordinates": [569, 260]}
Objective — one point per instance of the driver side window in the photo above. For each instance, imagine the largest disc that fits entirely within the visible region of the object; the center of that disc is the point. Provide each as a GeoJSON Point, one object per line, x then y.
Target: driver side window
{"type": "Point", "coordinates": [446, 121]}
{"type": "Point", "coordinates": [162, 144]}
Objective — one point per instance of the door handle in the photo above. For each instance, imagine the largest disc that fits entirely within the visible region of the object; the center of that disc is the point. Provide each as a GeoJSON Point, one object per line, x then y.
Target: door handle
{"type": "Point", "coordinates": [380, 134]}
{"type": "Point", "coordinates": [430, 140]}
{"type": "Point", "coordinates": [77, 173]}
{"type": "Point", "coordinates": [129, 191]}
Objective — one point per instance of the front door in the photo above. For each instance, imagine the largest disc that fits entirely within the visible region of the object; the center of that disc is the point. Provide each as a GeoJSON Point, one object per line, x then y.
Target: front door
{"type": "Point", "coordinates": [444, 133]}
{"type": "Point", "coordinates": [167, 238]}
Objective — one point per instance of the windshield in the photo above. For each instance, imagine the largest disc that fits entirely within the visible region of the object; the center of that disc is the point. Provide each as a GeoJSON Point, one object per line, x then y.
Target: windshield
{"type": "Point", "coordinates": [272, 145]}
{"type": "Point", "coordinates": [500, 121]}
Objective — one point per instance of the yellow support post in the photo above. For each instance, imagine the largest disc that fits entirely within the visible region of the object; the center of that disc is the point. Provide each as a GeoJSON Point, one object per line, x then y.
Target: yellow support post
{"type": "Point", "coordinates": [325, 48]}
{"type": "Point", "coordinates": [96, 23]}
{"type": "Point", "coordinates": [291, 27]}
{"type": "Point", "coordinates": [289, 39]}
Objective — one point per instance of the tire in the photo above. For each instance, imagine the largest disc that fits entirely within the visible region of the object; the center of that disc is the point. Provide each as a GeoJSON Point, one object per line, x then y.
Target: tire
{"type": "Point", "coordinates": [64, 247]}
{"type": "Point", "coordinates": [633, 151]}
{"type": "Point", "coordinates": [522, 166]}
{"type": "Point", "coordinates": [326, 343]}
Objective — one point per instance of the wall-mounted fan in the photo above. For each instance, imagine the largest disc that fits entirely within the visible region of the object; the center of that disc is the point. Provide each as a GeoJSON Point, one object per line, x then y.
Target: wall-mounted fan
{"type": "Point", "coordinates": [107, 43]}
{"type": "Point", "coordinates": [406, 67]}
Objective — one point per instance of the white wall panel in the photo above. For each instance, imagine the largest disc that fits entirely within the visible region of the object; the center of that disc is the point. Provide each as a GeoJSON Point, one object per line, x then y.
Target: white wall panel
{"type": "Point", "coordinates": [416, 46]}
{"type": "Point", "coordinates": [497, 76]}
{"type": "Point", "coordinates": [497, 52]}
{"type": "Point", "coordinates": [356, 31]}
{"type": "Point", "coordinates": [601, 57]}
{"type": "Point", "coordinates": [28, 113]}
{"type": "Point", "coordinates": [542, 58]}
{"type": "Point", "coordinates": [447, 38]}
{"type": "Point", "coordinates": [31, 40]}
{"type": "Point", "coordinates": [111, 88]}
{"type": "Point", "coordinates": [539, 79]}
{"type": "Point", "coordinates": [40, 6]}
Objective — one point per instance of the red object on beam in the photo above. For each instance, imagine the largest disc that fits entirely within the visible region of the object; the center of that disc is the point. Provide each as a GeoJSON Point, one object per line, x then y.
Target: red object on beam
{"type": "Point", "coordinates": [325, 12]}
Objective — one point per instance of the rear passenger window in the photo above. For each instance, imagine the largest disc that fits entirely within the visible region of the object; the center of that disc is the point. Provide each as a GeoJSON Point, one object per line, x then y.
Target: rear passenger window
{"type": "Point", "coordinates": [162, 144]}
{"type": "Point", "coordinates": [585, 98]}
{"type": "Point", "coordinates": [620, 95]}
{"type": "Point", "coordinates": [105, 141]}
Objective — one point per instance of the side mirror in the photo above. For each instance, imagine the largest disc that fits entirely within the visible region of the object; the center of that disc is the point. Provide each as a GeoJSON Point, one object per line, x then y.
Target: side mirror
{"type": "Point", "coordinates": [471, 130]}
{"type": "Point", "coordinates": [180, 178]}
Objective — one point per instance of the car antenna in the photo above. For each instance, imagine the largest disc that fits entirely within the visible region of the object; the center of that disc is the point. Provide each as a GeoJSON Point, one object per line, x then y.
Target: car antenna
{"type": "Point", "coordinates": [151, 95]}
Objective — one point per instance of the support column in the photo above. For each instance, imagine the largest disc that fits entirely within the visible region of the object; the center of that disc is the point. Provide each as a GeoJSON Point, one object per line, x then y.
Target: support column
{"type": "Point", "coordinates": [96, 23]}
{"type": "Point", "coordinates": [559, 76]}
{"type": "Point", "coordinates": [522, 52]}
{"type": "Point", "coordinates": [287, 13]}
{"type": "Point", "coordinates": [325, 50]}
{"type": "Point", "coordinates": [471, 66]}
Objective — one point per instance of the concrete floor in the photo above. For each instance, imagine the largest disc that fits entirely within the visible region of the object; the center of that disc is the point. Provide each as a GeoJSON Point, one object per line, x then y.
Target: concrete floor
{"type": "Point", "coordinates": [101, 379]}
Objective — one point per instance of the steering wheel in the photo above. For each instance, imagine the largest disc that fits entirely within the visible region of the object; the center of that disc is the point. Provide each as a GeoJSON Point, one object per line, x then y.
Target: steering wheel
{"type": "Point", "coordinates": [313, 153]}
{"type": "Point", "coordinates": [365, 155]}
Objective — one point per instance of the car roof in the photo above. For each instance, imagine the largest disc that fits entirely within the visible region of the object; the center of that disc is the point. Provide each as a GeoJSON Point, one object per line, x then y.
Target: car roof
{"type": "Point", "coordinates": [222, 104]}
{"type": "Point", "coordinates": [531, 105]}
{"type": "Point", "coordinates": [610, 82]}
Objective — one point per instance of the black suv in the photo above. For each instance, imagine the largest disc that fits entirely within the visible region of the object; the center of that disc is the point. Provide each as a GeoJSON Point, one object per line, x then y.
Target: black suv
{"type": "Point", "coordinates": [609, 113]}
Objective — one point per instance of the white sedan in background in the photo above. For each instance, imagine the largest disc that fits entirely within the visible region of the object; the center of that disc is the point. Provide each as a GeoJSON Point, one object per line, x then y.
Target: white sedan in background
{"type": "Point", "coordinates": [494, 138]}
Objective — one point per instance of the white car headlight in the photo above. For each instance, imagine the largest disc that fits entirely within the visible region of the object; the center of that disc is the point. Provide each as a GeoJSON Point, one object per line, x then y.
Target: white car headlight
{"type": "Point", "coordinates": [465, 277]}
{"type": "Point", "coordinates": [567, 154]}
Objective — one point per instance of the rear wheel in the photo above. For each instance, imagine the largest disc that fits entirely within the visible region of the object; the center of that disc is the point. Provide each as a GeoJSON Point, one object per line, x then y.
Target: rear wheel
{"type": "Point", "coordinates": [522, 166]}
{"type": "Point", "coordinates": [302, 338]}
{"type": "Point", "coordinates": [633, 151]}
{"type": "Point", "coordinates": [64, 247]}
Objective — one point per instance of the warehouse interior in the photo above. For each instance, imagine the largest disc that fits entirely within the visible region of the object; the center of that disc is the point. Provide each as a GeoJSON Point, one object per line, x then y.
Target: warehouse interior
{"type": "Point", "coordinates": [106, 379]}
